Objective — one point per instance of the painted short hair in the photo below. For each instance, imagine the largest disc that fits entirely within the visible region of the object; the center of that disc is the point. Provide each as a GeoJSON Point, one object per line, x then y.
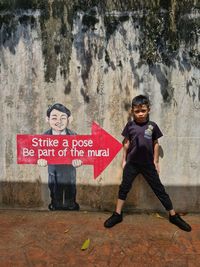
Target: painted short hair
{"type": "Point", "coordinates": [60, 108]}
{"type": "Point", "coordinates": [140, 100]}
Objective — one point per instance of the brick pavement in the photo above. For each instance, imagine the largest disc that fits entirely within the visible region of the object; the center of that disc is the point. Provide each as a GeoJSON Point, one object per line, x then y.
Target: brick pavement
{"type": "Point", "coordinates": [44, 238]}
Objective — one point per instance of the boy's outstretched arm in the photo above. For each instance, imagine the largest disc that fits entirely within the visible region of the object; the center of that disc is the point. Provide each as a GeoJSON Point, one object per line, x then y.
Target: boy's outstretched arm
{"type": "Point", "coordinates": [125, 148]}
{"type": "Point", "coordinates": [156, 155]}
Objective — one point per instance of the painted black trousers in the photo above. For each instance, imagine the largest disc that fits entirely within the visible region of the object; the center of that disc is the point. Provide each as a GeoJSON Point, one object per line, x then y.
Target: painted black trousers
{"type": "Point", "coordinates": [149, 172]}
{"type": "Point", "coordinates": [62, 184]}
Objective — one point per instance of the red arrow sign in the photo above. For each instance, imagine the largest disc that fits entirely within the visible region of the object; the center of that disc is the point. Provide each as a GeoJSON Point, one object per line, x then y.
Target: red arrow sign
{"type": "Point", "coordinates": [97, 149]}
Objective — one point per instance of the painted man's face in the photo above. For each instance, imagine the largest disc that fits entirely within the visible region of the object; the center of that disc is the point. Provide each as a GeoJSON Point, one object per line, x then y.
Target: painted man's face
{"type": "Point", "coordinates": [58, 120]}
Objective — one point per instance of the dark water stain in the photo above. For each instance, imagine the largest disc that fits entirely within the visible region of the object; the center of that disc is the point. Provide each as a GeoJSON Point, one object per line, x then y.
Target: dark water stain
{"type": "Point", "coordinates": [111, 24]}
{"type": "Point", "coordinates": [84, 54]}
{"type": "Point", "coordinates": [193, 93]}
{"type": "Point", "coordinates": [127, 106]}
{"type": "Point", "coordinates": [90, 19]}
{"type": "Point", "coordinates": [87, 63]}
{"type": "Point", "coordinates": [58, 45]}
{"type": "Point", "coordinates": [85, 95]}
{"type": "Point", "coordinates": [184, 61]}
{"type": "Point", "coordinates": [57, 49]}
{"type": "Point", "coordinates": [109, 62]}
{"type": "Point", "coordinates": [166, 91]}
{"type": "Point", "coordinates": [9, 153]}
{"type": "Point", "coordinates": [194, 55]}
{"type": "Point", "coordinates": [68, 88]}
{"type": "Point", "coordinates": [9, 35]}
{"type": "Point", "coordinates": [107, 58]}
{"type": "Point", "coordinates": [137, 80]}
{"type": "Point", "coordinates": [120, 64]}
{"type": "Point", "coordinates": [100, 53]}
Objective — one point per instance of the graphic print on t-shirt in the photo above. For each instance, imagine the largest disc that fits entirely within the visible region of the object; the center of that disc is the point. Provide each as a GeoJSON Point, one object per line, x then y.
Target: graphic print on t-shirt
{"type": "Point", "coordinates": [148, 132]}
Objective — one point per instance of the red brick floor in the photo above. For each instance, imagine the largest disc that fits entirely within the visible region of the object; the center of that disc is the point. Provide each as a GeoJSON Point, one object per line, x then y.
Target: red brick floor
{"type": "Point", "coordinates": [43, 238]}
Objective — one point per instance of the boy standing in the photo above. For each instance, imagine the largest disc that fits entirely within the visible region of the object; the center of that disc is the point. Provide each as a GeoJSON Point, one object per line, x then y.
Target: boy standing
{"type": "Point", "coordinates": [141, 155]}
{"type": "Point", "coordinates": [62, 177]}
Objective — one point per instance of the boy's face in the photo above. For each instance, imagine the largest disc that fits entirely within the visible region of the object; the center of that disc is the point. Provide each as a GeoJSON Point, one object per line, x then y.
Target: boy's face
{"type": "Point", "coordinates": [58, 120]}
{"type": "Point", "coordinates": [140, 113]}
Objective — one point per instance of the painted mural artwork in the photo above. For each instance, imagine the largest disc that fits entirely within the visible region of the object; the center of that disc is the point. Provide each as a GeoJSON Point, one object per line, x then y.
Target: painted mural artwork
{"type": "Point", "coordinates": [62, 177]}
{"type": "Point", "coordinates": [63, 151]}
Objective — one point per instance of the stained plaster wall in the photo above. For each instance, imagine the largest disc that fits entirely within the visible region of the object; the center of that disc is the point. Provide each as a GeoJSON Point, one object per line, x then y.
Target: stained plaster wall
{"type": "Point", "coordinates": [94, 58]}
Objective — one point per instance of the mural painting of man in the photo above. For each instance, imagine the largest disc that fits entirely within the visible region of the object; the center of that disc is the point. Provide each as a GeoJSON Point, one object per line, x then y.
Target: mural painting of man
{"type": "Point", "coordinates": [61, 177]}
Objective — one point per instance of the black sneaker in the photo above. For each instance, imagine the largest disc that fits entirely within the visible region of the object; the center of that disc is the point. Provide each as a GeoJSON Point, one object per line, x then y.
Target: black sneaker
{"type": "Point", "coordinates": [114, 219]}
{"type": "Point", "coordinates": [178, 221]}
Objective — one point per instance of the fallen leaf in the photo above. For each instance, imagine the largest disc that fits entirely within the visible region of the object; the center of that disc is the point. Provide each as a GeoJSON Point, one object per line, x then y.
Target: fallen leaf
{"type": "Point", "coordinates": [158, 216]}
{"type": "Point", "coordinates": [85, 244]}
{"type": "Point", "coordinates": [174, 235]}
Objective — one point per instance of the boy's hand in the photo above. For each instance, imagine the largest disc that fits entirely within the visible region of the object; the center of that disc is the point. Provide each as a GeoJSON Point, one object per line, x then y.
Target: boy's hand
{"type": "Point", "coordinates": [76, 163]}
{"type": "Point", "coordinates": [123, 164]}
{"type": "Point", "coordinates": [42, 162]}
{"type": "Point", "coordinates": [157, 165]}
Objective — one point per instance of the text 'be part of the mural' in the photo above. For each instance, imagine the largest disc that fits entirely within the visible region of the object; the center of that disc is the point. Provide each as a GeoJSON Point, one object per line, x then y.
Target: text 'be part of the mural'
{"type": "Point", "coordinates": [97, 149]}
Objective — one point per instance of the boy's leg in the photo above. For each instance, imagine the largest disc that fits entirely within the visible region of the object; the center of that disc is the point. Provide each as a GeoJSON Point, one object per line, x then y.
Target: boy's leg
{"type": "Point", "coordinates": [151, 176]}
{"type": "Point", "coordinates": [119, 206]}
{"type": "Point", "coordinates": [129, 173]}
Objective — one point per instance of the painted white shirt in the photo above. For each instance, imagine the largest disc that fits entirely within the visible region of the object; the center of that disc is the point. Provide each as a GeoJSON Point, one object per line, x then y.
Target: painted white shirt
{"type": "Point", "coordinates": [57, 133]}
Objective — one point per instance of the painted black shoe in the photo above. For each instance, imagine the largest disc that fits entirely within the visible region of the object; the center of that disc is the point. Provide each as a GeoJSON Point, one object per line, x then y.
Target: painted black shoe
{"type": "Point", "coordinates": [75, 206]}
{"type": "Point", "coordinates": [178, 221]}
{"type": "Point", "coordinates": [112, 220]}
{"type": "Point", "coordinates": [51, 207]}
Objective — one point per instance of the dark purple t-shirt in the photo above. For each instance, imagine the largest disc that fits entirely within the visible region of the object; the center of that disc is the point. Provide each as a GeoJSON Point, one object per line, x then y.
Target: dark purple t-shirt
{"type": "Point", "coordinates": [141, 137]}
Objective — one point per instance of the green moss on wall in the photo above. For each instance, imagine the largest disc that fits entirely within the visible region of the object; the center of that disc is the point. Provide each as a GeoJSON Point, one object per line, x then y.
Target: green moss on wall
{"type": "Point", "coordinates": [163, 26]}
{"type": "Point", "coordinates": [89, 21]}
{"type": "Point", "coordinates": [112, 22]}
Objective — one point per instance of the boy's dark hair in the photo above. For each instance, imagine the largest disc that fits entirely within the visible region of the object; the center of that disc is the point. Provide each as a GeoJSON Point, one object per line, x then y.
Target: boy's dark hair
{"type": "Point", "coordinates": [58, 107]}
{"type": "Point", "coordinates": [140, 100]}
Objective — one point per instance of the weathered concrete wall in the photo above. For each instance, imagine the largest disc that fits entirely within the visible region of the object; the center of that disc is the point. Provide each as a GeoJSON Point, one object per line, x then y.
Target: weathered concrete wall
{"type": "Point", "coordinates": [94, 58]}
